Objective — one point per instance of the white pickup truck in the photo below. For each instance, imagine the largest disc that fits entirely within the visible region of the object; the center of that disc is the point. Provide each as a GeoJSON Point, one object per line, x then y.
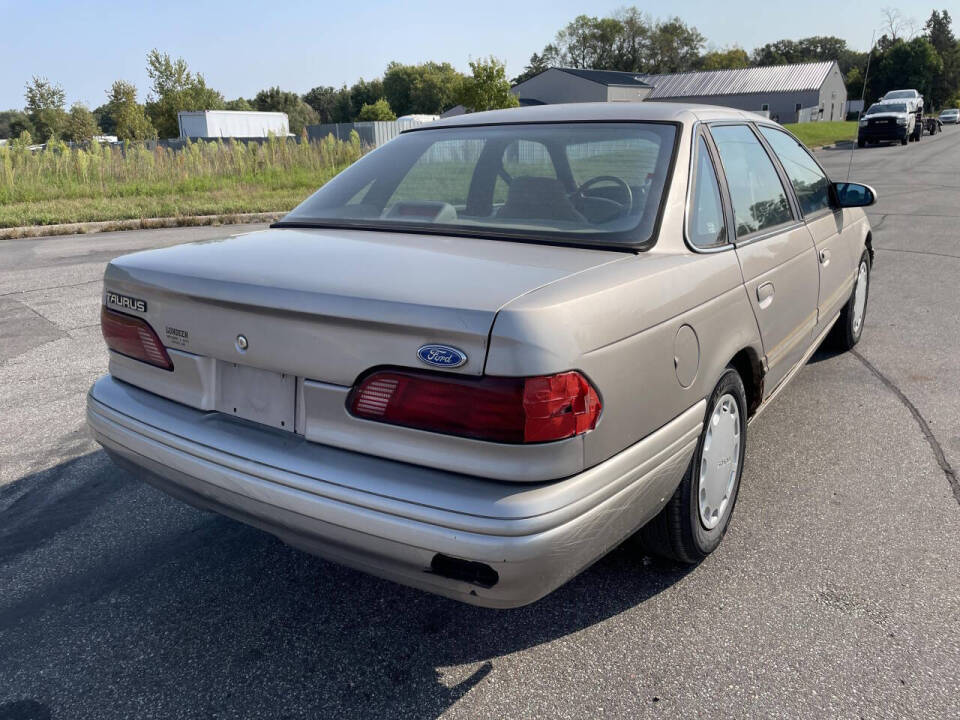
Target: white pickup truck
{"type": "Point", "coordinates": [912, 98]}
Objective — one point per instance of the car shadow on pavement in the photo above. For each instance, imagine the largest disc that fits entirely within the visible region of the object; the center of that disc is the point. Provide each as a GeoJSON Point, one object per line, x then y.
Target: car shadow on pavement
{"type": "Point", "coordinates": [119, 598]}
{"type": "Point", "coordinates": [826, 351]}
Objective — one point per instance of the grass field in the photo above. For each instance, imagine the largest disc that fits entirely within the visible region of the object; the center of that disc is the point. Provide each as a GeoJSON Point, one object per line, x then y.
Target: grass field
{"type": "Point", "coordinates": [63, 185]}
{"type": "Point", "coordinates": [815, 134]}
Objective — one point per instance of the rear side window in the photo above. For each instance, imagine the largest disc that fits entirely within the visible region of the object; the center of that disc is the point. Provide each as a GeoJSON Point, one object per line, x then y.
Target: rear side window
{"type": "Point", "coordinates": [758, 197]}
{"type": "Point", "coordinates": [705, 225]}
{"type": "Point", "coordinates": [808, 180]}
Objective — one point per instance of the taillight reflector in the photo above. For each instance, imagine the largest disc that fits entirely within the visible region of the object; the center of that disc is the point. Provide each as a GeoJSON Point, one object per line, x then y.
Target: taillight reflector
{"type": "Point", "coordinates": [133, 337]}
{"type": "Point", "coordinates": [507, 410]}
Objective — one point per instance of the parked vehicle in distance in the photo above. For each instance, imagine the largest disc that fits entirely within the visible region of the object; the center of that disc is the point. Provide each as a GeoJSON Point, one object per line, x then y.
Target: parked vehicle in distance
{"type": "Point", "coordinates": [912, 98]}
{"type": "Point", "coordinates": [494, 348]}
{"type": "Point", "coordinates": [887, 122]}
{"type": "Point", "coordinates": [950, 116]}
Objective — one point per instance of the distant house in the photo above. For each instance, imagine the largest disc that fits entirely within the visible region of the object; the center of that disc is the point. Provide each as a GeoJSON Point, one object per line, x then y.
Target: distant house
{"type": "Point", "coordinates": [572, 85]}
{"type": "Point", "coordinates": [232, 123]}
{"type": "Point", "coordinates": [779, 91]}
{"type": "Point", "coordinates": [575, 85]}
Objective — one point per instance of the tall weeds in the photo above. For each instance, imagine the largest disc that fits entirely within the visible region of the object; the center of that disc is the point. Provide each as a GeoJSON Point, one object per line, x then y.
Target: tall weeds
{"type": "Point", "coordinates": [96, 171]}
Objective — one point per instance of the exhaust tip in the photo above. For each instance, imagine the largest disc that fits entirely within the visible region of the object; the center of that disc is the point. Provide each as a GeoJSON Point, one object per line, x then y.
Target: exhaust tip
{"type": "Point", "coordinates": [475, 573]}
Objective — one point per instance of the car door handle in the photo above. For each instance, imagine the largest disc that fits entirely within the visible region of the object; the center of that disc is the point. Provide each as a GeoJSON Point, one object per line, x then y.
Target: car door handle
{"type": "Point", "coordinates": [824, 257]}
{"type": "Point", "coordinates": [765, 295]}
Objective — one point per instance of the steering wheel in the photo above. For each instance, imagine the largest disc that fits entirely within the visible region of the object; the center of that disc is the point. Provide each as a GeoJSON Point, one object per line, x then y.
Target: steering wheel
{"type": "Point", "coordinates": [579, 195]}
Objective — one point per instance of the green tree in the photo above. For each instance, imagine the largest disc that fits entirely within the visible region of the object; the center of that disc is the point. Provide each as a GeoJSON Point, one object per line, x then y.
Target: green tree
{"type": "Point", "coordinates": [332, 105]}
{"type": "Point", "coordinates": [538, 63]}
{"type": "Point", "coordinates": [729, 59]}
{"type": "Point", "coordinates": [854, 83]}
{"type": "Point", "coordinates": [379, 110]}
{"type": "Point", "coordinates": [939, 32]}
{"type": "Point", "coordinates": [14, 122]}
{"type": "Point", "coordinates": [903, 64]}
{"type": "Point", "coordinates": [299, 114]}
{"type": "Point", "coordinates": [81, 125]}
{"type": "Point", "coordinates": [129, 117]}
{"type": "Point", "coordinates": [366, 92]}
{"type": "Point", "coordinates": [674, 47]}
{"type": "Point", "coordinates": [588, 42]}
{"type": "Point", "coordinates": [628, 40]}
{"type": "Point", "coordinates": [343, 107]}
{"type": "Point", "coordinates": [106, 121]}
{"type": "Point", "coordinates": [238, 104]}
{"type": "Point", "coordinates": [44, 107]}
{"type": "Point", "coordinates": [323, 100]}
{"type": "Point", "coordinates": [428, 88]}
{"type": "Point", "coordinates": [175, 88]}
{"type": "Point", "coordinates": [818, 48]}
{"type": "Point", "coordinates": [487, 88]}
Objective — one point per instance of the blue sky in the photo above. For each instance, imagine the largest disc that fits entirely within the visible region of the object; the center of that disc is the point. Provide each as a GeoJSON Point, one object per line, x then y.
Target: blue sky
{"type": "Point", "coordinates": [242, 46]}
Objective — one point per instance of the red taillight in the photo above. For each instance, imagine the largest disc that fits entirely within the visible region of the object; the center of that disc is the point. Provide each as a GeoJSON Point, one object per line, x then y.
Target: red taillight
{"type": "Point", "coordinates": [134, 338]}
{"type": "Point", "coordinates": [508, 410]}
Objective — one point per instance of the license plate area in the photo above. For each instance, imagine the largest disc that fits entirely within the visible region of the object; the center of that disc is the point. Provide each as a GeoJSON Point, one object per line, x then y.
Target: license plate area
{"type": "Point", "coordinates": [261, 396]}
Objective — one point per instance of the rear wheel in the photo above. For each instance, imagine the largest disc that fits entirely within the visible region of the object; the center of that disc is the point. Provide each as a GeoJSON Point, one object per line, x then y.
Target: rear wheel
{"type": "Point", "coordinates": [846, 333]}
{"type": "Point", "coordinates": [695, 519]}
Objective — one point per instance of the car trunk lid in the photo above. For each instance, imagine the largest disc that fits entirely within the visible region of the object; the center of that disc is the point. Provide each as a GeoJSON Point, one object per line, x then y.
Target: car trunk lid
{"type": "Point", "coordinates": [328, 305]}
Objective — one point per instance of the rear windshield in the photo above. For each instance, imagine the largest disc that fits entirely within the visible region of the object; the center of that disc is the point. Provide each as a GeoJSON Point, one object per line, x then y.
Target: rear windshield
{"type": "Point", "coordinates": [901, 94]}
{"type": "Point", "coordinates": [887, 108]}
{"type": "Point", "coordinates": [583, 183]}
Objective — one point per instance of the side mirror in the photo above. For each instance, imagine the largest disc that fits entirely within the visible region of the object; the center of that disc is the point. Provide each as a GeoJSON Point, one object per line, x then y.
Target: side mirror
{"type": "Point", "coordinates": [850, 194]}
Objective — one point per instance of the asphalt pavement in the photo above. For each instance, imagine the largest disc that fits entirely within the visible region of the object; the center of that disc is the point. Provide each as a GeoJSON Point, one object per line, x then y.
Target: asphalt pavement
{"type": "Point", "coordinates": [836, 592]}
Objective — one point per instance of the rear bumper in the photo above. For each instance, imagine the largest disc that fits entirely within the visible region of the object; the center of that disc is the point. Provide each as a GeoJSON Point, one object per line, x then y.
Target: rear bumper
{"type": "Point", "coordinates": [389, 518]}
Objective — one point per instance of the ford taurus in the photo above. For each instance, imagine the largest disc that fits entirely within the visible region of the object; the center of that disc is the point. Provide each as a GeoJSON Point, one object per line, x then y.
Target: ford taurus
{"type": "Point", "coordinates": [493, 349]}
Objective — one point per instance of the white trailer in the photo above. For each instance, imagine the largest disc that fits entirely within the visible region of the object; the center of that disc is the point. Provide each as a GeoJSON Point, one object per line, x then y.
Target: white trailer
{"type": "Point", "coordinates": [232, 123]}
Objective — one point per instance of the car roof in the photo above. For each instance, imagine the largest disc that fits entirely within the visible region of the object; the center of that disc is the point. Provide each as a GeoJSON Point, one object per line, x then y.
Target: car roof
{"type": "Point", "coordinates": [601, 111]}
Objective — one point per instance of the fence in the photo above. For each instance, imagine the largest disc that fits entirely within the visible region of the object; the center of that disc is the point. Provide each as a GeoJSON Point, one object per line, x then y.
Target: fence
{"type": "Point", "coordinates": [373, 133]}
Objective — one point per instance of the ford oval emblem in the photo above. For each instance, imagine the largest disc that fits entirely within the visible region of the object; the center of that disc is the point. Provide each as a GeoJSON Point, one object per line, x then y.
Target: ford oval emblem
{"type": "Point", "coordinates": [441, 356]}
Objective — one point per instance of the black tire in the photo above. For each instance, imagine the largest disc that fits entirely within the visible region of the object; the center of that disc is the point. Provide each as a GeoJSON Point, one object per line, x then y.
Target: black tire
{"type": "Point", "coordinates": [860, 143]}
{"type": "Point", "coordinates": [844, 334]}
{"type": "Point", "coordinates": [904, 141]}
{"type": "Point", "coordinates": [677, 532]}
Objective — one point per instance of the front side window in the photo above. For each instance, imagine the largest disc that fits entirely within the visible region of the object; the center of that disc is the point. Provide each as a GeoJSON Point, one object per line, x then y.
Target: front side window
{"type": "Point", "coordinates": [585, 183]}
{"type": "Point", "coordinates": [705, 224]}
{"type": "Point", "coordinates": [809, 182]}
{"type": "Point", "coordinates": [758, 197]}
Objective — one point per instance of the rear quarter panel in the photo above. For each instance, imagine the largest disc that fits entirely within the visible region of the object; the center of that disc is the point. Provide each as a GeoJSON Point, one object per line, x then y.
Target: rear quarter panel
{"type": "Point", "coordinates": [619, 325]}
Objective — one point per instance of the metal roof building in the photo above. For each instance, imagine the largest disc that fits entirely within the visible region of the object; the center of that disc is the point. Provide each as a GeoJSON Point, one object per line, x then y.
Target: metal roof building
{"type": "Point", "coordinates": [815, 91]}
{"type": "Point", "coordinates": [780, 90]}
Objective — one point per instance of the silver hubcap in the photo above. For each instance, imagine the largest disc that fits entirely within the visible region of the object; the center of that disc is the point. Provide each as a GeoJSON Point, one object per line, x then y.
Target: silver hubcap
{"type": "Point", "coordinates": [860, 298]}
{"type": "Point", "coordinates": [719, 461]}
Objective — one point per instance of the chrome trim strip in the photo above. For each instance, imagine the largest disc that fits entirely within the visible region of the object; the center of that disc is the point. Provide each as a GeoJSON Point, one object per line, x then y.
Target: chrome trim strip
{"type": "Point", "coordinates": [770, 232]}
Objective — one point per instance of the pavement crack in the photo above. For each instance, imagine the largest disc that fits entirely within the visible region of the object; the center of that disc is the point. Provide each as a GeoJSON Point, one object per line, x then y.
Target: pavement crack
{"type": "Point", "coordinates": [918, 252]}
{"type": "Point", "coordinates": [924, 426]}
